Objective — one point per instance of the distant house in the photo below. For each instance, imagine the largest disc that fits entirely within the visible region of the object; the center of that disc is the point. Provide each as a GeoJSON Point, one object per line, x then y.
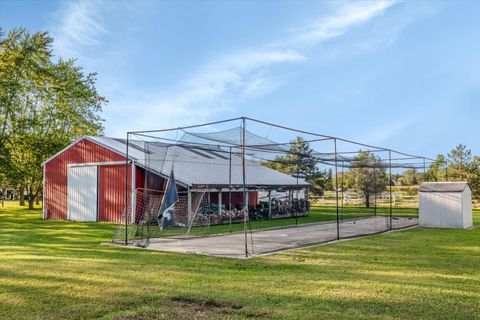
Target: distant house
{"type": "Point", "coordinates": [8, 193]}
{"type": "Point", "coordinates": [86, 181]}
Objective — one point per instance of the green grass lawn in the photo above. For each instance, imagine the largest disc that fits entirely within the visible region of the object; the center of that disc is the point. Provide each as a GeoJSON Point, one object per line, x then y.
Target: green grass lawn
{"type": "Point", "coordinates": [59, 270]}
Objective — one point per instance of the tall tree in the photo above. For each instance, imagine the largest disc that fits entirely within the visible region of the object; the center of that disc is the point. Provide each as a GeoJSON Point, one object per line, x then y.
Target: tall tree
{"type": "Point", "coordinates": [409, 178]}
{"type": "Point", "coordinates": [437, 170]}
{"type": "Point", "coordinates": [368, 175]}
{"type": "Point", "coordinates": [301, 161]}
{"type": "Point", "coordinates": [474, 177]}
{"type": "Point", "coordinates": [46, 103]}
{"type": "Point", "coordinates": [462, 166]}
{"type": "Point", "coordinates": [459, 161]}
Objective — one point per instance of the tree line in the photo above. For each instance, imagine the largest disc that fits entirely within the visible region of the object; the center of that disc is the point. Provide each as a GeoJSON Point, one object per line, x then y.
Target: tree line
{"type": "Point", "coordinates": [458, 165]}
{"type": "Point", "coordinates": [46, 102]}
{"type": "Point", "coordinates": [367, 174]}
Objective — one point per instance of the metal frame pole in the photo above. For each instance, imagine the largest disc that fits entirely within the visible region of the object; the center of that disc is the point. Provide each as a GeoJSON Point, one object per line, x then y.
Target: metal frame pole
{"type": "Point", "coordinates": [245, 206]}
{"type": "Point", "coordinates": [424, 180]}
{"type": "Point", "coordinates": [446, 171]}
{"type": "Point", "coordinates": [424, 171]}
{"type": "Point", "coordinates": [298, 172]}
{"type": "Point", "coordinates": [375, 191]}
{"type": "Point", "coordinates": [343, 195]}
{"type": "Point", "coordinates": [189, 205]}
{"type": "Point", "coordinates": [209, 210]}
{"type": "Point", "coordinates": [336, 188]}
{"type": "Point", "coordinates": [390, 183]}
{"type": "Point", "coordinates": [220, 202]}
{"type": "Point", "coordinates": [270, 204]}
{"type": "Point", "coordinates": [126, 191]}
{"type": "Point", "coordinates": [230, 188]}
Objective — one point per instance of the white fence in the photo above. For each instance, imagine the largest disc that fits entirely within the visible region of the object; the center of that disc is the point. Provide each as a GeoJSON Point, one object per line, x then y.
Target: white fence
{"type": "Point", "coordinates": [399, 199]}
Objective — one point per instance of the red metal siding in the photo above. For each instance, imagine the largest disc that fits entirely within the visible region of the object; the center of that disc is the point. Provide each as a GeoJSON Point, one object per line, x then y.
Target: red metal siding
{"type": "Point", "coordinates": [55, 193]}
{"type": "Point", "coordinates": [252, 198]}
{"type": "Point", "coordinates": [150, 181]}
{"type": "Point", "coordinates": [111, 192]}
{"type": "Point", "coordinates": [139, 178]}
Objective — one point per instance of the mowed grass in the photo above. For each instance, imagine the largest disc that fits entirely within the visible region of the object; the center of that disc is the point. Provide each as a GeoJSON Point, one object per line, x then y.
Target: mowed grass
{"type": "Point", "coordinates": [59, 270]}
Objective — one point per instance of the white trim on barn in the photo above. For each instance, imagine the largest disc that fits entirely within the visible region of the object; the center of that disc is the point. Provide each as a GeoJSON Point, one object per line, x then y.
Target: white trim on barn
{"type": "Point", "coordinates": [88, 164]}
{"type": "Point", "coordinates": [133, 199]}
{"type": "Point", "coordinates": [81, 139]}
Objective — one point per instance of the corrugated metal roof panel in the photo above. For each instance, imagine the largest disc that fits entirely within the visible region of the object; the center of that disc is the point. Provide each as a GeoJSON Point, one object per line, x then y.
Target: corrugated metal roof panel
{"type": "Point", "coordinates": [199, 167]}
{"type": "Point", "coordinates": [443, 186]}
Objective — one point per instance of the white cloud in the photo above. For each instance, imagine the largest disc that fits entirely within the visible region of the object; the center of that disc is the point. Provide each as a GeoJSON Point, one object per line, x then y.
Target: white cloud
{"type": "Point", "coordinates": [79, 26]}
{"type": "Point", "coordinates": [214, 88]}
{"type": "Point", "coordinates": [346, 16]}
{"type": "Point", "coordinates": [242, 75]}
{"type": "Point", "coordinates": [81, 30]}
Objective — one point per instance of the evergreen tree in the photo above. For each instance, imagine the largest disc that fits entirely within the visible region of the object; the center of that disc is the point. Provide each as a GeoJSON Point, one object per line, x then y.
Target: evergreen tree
{"type": "Point", "coordinates": [300, 161]}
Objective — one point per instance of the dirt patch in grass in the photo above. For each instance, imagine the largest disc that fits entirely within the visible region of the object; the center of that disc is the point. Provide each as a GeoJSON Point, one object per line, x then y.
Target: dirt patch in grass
{"type": "Point", "coordinates": [181, 307]}
{"type": "Point", "coordinates": [208, 304]}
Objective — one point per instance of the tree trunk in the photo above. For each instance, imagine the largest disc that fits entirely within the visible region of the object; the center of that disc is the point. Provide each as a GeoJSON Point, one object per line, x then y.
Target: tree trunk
{"type": "Point", "coordinates": [37, 199]}
{"type": "Point", "coordinates": [367, 200]}
{"type": "Point", "coordinates": [31, 197]}
{"type": "Point", "coordinates": [31, 201]}
{"type": "Point", "coordinates": [21, 193]}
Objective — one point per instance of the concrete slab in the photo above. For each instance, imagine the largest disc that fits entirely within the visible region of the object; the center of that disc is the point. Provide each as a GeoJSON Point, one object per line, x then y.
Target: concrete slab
{"type": "Point", "coordinates": [266, 241]}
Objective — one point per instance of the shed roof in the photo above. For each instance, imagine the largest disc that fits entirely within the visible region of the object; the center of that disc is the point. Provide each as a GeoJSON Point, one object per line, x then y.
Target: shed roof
{"type": "Point", "coordinates": [197, 167]}
{"type": "Point", "coordinates": [443, 186]}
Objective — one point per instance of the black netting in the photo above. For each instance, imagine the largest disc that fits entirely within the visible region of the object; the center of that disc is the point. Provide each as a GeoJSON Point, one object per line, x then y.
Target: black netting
{"type": "Point", "coordinates": [245, 187]}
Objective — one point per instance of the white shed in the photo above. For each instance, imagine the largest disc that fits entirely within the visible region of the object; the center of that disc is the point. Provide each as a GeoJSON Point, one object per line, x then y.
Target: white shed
{"type": "Point", "coordinates": [445, 205]}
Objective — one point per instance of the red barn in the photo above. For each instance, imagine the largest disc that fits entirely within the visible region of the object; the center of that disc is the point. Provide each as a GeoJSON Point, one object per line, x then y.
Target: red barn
{"type": "Point", "coordinates": [86, 180]}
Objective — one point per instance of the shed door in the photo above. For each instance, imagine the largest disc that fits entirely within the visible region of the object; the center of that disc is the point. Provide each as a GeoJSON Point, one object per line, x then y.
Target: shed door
{"type": "Point", "coordinates": [82, 193]}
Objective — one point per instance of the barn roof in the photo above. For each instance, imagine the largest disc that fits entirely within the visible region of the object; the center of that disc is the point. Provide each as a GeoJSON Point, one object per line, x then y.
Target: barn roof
{"type": "Point", "coordinates": [443, 186]}
{"type": "Point", "coordinates": [197, 167]}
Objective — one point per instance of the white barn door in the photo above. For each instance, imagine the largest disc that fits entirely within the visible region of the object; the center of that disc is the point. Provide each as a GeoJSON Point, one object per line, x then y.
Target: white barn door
{"type": "Point", "coordinates": [82, 193]}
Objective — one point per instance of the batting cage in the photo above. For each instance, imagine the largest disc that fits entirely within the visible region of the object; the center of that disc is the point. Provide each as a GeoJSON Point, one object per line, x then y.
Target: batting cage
{"type": "Point", "coordinates": [244, 187]}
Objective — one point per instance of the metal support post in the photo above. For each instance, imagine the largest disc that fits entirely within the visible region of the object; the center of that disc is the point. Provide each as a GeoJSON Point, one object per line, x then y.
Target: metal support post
{"type": "Point", "coordinates": [375, 191]}
{"type": "Point", "coordinates": [296, 209]}
{"type": "Point", "coordinates": [424, 171]}
{"type": "Point", "coordinates": [269, 204]}
{"type": "Point", "coordinates": [245, 205]}
{"type": "Point", "coordinates": [343, 193]}
{"type": "Point", "coordinates": [126, 191]}
{"type": "Point", "coordinates": [336, 188]}
{"type": "Point", "coordinates": [390, 184]}
{"type": "Point", "coordinates": [230, 189]}
{"type": "Point", "coordinates": [220, 202]}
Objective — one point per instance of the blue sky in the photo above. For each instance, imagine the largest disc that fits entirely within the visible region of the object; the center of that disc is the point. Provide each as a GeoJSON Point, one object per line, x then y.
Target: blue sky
{"type": "Point", "coordinates": [404, 75]}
